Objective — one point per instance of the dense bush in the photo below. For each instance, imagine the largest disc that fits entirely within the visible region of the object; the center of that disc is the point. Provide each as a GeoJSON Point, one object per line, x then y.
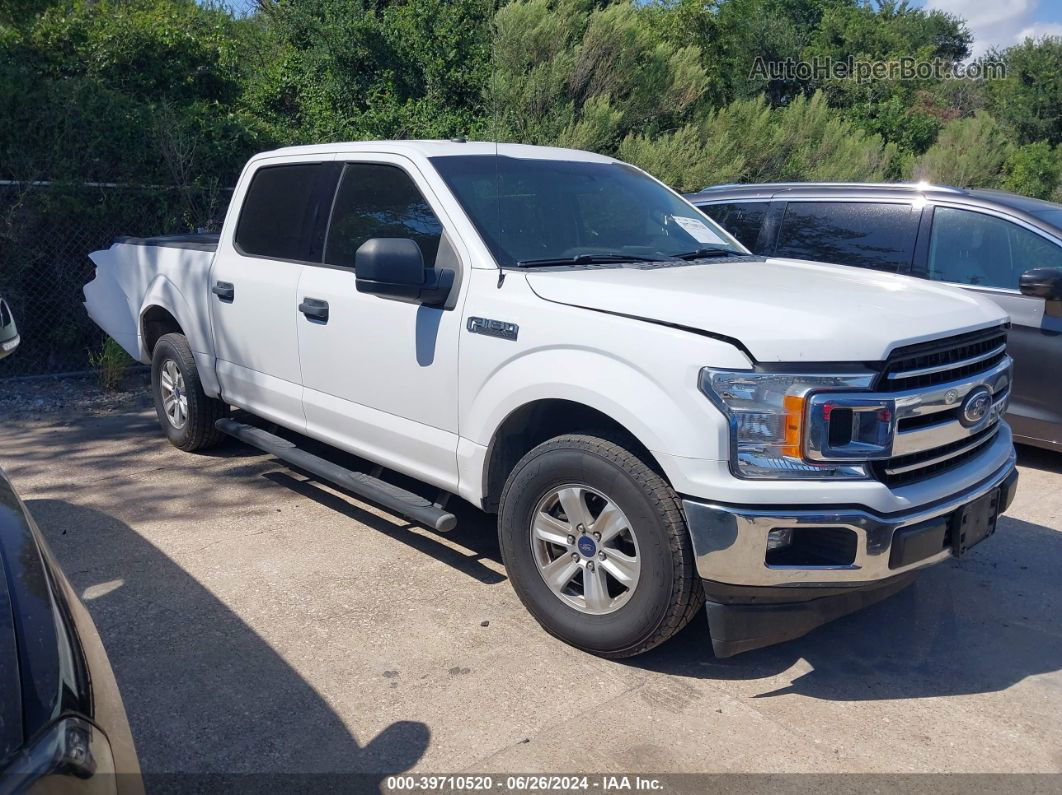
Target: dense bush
{"type": "Point", "coordinates": [178, 92]}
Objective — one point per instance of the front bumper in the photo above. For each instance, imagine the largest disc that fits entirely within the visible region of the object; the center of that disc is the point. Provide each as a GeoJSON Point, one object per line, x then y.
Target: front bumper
{"type": "Point", "coordinates": [883, 550]}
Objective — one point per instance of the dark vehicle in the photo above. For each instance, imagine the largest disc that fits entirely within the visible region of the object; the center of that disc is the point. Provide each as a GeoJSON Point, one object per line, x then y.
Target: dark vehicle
{"type": "Point", "coordinates": [62, 722]}
{"type": "Point", "coordinates": [1005, 246]}
{"type": "Point", "coordinates": [8, 333]}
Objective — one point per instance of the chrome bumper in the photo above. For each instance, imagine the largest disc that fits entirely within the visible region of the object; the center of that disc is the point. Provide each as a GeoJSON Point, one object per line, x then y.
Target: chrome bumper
{"type": "Point", "coordinates": [730, 542]}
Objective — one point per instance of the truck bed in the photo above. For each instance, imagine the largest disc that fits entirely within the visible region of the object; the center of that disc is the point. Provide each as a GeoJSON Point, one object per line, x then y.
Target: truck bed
{"type": "Point", "coordinates": [202, 241]}
{"type": "Point", "coordinates": [170, 272]}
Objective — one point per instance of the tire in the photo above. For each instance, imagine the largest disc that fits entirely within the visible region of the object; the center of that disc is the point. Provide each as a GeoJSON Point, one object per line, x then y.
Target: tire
{"type": "Point", "coordinates": [615, 621]}
{"type": "Point", "coordinates": [192, 428]}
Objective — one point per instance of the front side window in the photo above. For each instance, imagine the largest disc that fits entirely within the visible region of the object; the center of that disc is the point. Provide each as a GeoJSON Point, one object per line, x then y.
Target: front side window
{"type": "Point", "coordinates": [377, 200]}
{"type": "Point", "coordinates": [967, 247]}
{"type": "Point", "coordinates": [741, 219]}
{"type": "Point", "coordinates": [281, 210]}
{"type": "Point", "coordinates": [874, 235]}
{"type": "Point", "coordinates": [534, 210]}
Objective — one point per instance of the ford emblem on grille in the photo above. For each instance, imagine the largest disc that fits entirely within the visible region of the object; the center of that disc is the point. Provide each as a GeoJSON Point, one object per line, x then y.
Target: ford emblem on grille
{"type": "Point", "coordinates": [976, 407]}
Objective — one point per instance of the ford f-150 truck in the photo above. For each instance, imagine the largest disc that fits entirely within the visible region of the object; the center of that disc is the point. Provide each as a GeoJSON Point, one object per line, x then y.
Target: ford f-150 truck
{"type": "Point", "coordinates": [659, 419]}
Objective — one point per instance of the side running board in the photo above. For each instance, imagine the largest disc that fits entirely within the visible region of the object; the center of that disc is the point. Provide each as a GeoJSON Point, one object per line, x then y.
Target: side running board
{"type": "Point", "coordinates": [370, 488]}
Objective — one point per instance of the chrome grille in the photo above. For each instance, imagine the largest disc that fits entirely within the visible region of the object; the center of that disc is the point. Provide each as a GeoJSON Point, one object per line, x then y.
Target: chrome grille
{"type": "Point", "coordinates": [905, 469]}
{"type": "Point", "coordinates": [937, 405]}
{"type": "Point", "coordinates": [935, 378]}
{"type": "Point", "coordinates": [938, 362]}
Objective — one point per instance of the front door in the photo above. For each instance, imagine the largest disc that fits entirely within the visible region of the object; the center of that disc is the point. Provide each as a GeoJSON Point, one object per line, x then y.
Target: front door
{"type": "Point", "coordinates": [380, 375]}
{"type": "Point", "coordinates": [254, 280]}
{"type": "Point", "coordinates": [988, 254]}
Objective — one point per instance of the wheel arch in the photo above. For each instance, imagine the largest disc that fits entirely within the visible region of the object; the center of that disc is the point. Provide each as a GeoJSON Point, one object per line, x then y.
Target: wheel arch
{"type": "Point", "coordinates": [165, 310]}
{"type": "Point", "coordinates": [537, 421]}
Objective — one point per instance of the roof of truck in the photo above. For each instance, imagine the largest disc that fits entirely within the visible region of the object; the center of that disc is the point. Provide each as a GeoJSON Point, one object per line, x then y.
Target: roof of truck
{"type": "Point", "coordinates": [440, 148]}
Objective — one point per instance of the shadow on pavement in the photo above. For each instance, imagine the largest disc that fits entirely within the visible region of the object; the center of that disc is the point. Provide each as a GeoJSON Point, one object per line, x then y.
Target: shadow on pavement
{"type": "Point", "coordinates": [975, 626]}
{"type": "Point", "coordinates": [474, 529]}
{"type": "Point", "coordinates": [204, 692]}
{"type": "Point", "coordinates": [1038, 458]}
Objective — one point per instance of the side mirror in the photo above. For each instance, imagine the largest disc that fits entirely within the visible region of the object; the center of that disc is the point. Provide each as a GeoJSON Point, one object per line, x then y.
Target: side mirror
{"type": "Point", "coordinates": [393, 267]}
{"type": "Point", "coordinates": [9, 338]}
{"type": "Point", "coordinates": [1042, 283]}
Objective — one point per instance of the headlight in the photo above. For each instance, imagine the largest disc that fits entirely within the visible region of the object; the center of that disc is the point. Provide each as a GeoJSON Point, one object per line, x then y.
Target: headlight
{"type": "Point", "coordinates": [768, 414]}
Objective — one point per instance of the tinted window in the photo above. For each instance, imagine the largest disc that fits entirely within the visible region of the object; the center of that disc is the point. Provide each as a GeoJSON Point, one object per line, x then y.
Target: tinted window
{"type": "Point", "coordinates": [379, 201]}
{"type": "Point", "coordinates": [879, 236]}
{"type": "Point", "coordinates": [281, 210]}
{"type": "Point", "coordinates": [535, 209]}
{"type": "Point", "coordinates": [973, 248]}
{"type": "Point", "coordinates": [741, 219]}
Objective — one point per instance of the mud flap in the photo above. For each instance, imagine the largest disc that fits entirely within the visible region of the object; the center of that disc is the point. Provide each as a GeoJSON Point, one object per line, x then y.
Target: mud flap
{"type": "Point", "coordinates": [737, 628]}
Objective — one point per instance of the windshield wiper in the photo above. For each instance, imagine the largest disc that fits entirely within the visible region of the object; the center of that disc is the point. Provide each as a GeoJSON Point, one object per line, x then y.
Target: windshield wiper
{"type": "Point", "coordinates": [586, 259]}
{"type": "Point", "coordinates": [704, 253]}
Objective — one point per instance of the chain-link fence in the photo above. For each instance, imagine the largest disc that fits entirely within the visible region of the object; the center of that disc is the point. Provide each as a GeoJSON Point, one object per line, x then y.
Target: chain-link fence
{"type": "Point", "coordinates": [47, 232]}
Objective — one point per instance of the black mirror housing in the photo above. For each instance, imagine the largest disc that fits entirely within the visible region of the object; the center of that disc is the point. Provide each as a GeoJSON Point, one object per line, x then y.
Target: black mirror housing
{"type": "Point", "coordinates": [1043, 283]}
{"type": "Point", "coordinates": [393, 267]}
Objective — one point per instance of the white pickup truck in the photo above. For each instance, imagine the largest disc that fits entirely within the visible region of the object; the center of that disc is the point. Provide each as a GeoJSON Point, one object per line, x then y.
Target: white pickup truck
{"type": "Point", "coordinates": [659, 418]}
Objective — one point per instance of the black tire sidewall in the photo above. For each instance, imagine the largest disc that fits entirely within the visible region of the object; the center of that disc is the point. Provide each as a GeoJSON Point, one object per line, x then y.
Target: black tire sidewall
{"type": "Point", "coordinates": [638, 619]}
{"type": "Point", "coordinates": [165, 350]}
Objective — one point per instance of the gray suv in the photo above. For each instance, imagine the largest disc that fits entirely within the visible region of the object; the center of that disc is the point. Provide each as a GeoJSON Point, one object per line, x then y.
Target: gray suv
{"type": "Point", "coordinates": [1005, 246]}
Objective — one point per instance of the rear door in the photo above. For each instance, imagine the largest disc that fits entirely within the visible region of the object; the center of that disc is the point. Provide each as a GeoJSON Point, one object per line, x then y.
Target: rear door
{"type": "Point", "coordinates": [987, 253]}
{"type": "Point", "coordinates": [283, 211]}
{"type": "Point", "coordinates": [874, 234]}
{"type": "Point", "coordinates": [380, 375]}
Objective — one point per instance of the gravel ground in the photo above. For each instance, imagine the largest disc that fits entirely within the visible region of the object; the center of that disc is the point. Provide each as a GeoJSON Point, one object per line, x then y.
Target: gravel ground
{"type": "Point", "coordinates": [72, 397]}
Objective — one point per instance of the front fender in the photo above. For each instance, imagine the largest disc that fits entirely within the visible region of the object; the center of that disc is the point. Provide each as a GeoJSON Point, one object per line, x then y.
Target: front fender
{"type": "Point", "coordinates": [670, 418]}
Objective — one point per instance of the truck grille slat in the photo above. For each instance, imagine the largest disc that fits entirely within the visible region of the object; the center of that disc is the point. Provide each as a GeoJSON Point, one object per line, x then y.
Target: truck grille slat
{"type": "Point", "coordinates": [931, 363]}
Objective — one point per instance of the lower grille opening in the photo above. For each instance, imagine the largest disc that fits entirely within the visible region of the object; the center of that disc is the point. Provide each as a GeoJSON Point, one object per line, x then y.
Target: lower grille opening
{"type": "Point", "coordinates": [812, 546]}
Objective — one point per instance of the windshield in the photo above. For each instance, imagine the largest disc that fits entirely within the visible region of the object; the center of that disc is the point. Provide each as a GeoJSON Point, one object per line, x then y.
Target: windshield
{"type": "Point", "coordinates": [536, 211]}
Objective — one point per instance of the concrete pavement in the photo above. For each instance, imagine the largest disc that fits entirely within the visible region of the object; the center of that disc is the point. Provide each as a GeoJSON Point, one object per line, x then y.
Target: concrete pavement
{"type": "Point", "coordinates": [259, 620]}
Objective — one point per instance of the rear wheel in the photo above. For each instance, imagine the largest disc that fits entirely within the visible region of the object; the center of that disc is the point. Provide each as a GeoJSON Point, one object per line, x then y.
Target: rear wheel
{"type": "Point", "coordinates": [596, 546]}
{"type": "Point", "coordinates": [186, 414]}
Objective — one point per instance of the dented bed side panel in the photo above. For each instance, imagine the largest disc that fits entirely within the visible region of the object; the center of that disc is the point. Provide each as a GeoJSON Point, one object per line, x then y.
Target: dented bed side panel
{"type": "Point", "coordinates": [132, 278]}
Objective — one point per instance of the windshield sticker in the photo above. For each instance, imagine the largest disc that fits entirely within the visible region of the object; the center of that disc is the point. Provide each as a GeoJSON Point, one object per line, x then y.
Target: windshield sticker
{"type": "Point", "coordinates": [700, 231]}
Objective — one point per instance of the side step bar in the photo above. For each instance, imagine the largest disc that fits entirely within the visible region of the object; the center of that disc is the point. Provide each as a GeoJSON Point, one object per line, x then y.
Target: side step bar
{"type": "Point", "coordinates": [372, 489]}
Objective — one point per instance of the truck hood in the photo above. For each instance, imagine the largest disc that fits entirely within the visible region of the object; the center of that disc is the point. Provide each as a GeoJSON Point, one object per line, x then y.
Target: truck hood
{"type": "Point", "coordinates": [781, 310]}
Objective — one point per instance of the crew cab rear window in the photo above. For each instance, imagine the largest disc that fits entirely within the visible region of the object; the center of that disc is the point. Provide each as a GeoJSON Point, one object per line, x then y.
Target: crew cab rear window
{"type": "Point", "coordinates": [377, 200]}
{"type": "Point", "coordinates": [282, 212]}
{"type": "Point", "coordinates": [741, 219]}
{"type": "Point", "coordinates": [874, 235]}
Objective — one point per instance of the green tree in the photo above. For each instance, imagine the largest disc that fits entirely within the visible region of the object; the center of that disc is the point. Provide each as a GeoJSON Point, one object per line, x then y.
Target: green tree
{"type": "Point", "coordinates": [748, 141]}
{"type": "Point", "coordinates": [1029, 99]}
{"type": "Point", "coordinates": [969, 152]}
{"type": "Point", "coordinates": [123, 90]}
{"type": "Point", "coordinates": [1034, 170]}
{"type": "Point", "coordinates": [339, 70]}
{"type": "Point", "coordinates": [573, 74]}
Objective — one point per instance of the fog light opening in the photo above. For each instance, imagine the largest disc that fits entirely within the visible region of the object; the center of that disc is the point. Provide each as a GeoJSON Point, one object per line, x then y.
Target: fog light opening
{"type": "Point", "coordinates": [811, 547]}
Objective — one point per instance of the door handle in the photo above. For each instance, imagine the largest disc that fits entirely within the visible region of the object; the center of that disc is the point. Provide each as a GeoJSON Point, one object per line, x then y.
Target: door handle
{"type": "Point", "coordinates": [314, 309]}
{"type": "Point", "coordinates": [224, 291]}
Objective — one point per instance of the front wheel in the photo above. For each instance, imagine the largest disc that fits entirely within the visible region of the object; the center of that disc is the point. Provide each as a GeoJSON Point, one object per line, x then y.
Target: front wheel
{"type": "Point", "coordinates": [186, 414]}
{"type": "Point", "coordinates": [596, 546]}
